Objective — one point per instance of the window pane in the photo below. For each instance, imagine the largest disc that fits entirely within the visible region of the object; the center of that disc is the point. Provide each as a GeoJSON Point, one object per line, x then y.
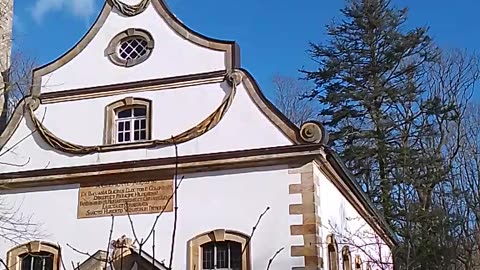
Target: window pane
{"type": "Point", "coordinates": [37, 261]}
{"type": "Point", "coordinates": [235, 256]}
{"type": "Point", "coordinates": [125, 113]}
{"type": "Point", "coordinates": [49, 263]}
{"type": "Point", "coordinates": [127, 125]}
{"type": "Point", "coordinates": [136, 135]}
{"type": "Point", "coordinates": [140, 112]}
{"type": "Point", "coordinates": [27, 262]}
{"type": "Point", "coordinates": [120, 126]}
{"type": "Point", "coordinates": [143, 135]}
{"type": "Point", "coordinates": [143, 124]}
{"type": "Point", "coordinates": [120, 137]}
{"type": "Point", "coordinates": [208, 256]}
{"type": "Point", "coordinates": [136, 125]}
{"type": "Point", "coordinates": [222, 255]}
{"type": "Point", "coordinates": [127, 136]}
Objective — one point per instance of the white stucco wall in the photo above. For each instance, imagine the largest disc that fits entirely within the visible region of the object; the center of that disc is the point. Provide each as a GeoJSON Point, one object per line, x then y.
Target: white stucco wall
{"type": "Point", "coordinates": [244, 126]}
{"type": "Point", "coordinates": [340, 218]}
{"type": "Point", "coordinates": [221, 200]}
{"type": "Point", "coordinates": [172, 56]}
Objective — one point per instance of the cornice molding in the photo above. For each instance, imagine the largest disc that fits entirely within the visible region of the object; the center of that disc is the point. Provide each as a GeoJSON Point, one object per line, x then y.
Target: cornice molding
{"type": "Point", "coordinates": [155, 168]}
{"type": "Point", "coordinates": [134, 87]}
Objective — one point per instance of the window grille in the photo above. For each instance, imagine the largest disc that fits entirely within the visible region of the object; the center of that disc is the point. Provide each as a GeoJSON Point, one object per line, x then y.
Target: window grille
{"type": "Point", "coordinates": [131, 125]}
{"type": "Point", "coordinates": [132, 48]}
{"type": "Point", "coordinates": [222, 256]}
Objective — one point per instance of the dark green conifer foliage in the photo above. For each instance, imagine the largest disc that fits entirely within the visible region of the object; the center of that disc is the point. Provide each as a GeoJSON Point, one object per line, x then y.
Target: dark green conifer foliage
{"type": "Point", "coordinates": [386, 123]}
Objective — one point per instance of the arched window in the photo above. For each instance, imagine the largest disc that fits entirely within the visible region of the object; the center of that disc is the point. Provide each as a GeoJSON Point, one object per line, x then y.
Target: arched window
{"type": "Point", "coordinates": [219, 249]}
{"type": "Point", "coordinates": [332, 252]}
{"type": "Point", "coordinates": [346, 258]}
{"type": "Point", "coordinates": [358, 262]}
{"type": "Point", "coordinates": [128, 120]}
{"type": "Point", "coordinates": [35, 255]}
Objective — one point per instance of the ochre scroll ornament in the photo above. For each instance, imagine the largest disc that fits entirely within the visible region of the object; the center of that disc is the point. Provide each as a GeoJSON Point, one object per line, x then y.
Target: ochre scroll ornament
{"type": "Point", "coordinates": [313, 132]}
{"type": "Point", "coordinates": [130, 10]}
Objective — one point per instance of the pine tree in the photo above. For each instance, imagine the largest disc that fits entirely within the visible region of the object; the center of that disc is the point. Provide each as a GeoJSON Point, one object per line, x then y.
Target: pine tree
{"type": "Point", "coordinates": [383, 119]}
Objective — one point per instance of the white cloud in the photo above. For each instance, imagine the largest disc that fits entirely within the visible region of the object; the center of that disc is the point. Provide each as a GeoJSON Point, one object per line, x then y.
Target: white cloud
{"type": "Point", "coordinates": [78, 8]}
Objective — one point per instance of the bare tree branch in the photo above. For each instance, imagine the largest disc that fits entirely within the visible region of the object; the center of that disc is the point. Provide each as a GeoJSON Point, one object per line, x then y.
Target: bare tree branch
{"type": "Point", "coordinates": [254, 228]}
{"type": "Point", "coordinates": [289, 98]}
{"type": "Point", "coordinates": [273, 257]}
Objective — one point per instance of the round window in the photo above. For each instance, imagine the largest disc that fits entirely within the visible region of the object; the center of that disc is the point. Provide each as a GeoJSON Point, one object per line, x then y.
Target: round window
{"type": "Point", "coordinates": [129, 48]}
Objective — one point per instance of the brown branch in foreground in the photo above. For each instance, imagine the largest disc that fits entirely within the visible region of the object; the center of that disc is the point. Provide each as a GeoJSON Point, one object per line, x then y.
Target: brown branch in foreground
{"type": "Point", "coordinates": [163, 210]}
{"type": "Point", "coordinates": [254, 229]}
{"type": "Point", "coordinates": [153, 249]}
{"type": "Point", "coordinates": [61, 260]}
{"type": "Point", "coordinates": [85, 253]}
{"type": "Point", "coordinates": [175, 208]}
{"type": "Point", "coordinates": [109, 241]}
{"type": "Point", "coordinates": [3, 263]}
{"type": "Point", "coordinates": [132, 226]}
{"type": "Point", "coordinates": [142, 241]}
{"type": "Point", "coordinates": [273, 258]}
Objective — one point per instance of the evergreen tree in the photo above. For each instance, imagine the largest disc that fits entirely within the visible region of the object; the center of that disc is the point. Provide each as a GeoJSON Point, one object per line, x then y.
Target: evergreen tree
{"type": "Point", "coordinates": [372, 82]}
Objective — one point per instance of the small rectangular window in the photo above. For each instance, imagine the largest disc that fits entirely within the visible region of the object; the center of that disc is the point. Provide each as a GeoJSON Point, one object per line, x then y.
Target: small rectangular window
{"type": "Point", "coordinates": [222, 255]}
{"type": "Point", "coordinates": [128, 118]}
{"type": "Point", "coordinates": [37, 261]}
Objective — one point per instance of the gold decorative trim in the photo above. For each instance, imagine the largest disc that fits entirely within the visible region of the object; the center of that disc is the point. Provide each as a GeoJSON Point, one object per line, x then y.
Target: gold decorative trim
{"type": "Point", "coordinates": [204, 126]}
{"type": "Point", "coordinates": [310, 228]}
{"type": "Point", "coordinates": [14, 254]}
{"type": "Point", "coordinates": [277, 118]}
{"type": "Point", "coordinates": [130, 10]}
{"type": "Point", "coordinates": [219, 235]}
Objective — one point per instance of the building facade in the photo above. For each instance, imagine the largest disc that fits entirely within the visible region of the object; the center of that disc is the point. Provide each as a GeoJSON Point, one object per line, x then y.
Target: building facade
{"type": "Point", "coordinates": [148, 129]}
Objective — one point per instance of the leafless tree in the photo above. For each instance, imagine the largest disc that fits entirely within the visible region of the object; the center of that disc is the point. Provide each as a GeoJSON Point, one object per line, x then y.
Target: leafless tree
{"type": "Point", "coordinates": [15, 80]}
{"type": "Point", "coordinates": [362, 240]}
{"type": "Point", "coordinates": [289, 99]}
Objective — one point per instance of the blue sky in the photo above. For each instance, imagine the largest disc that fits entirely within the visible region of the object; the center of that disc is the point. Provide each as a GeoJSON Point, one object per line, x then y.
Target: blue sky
{"type": "Point", "coordinates": [273, 35]}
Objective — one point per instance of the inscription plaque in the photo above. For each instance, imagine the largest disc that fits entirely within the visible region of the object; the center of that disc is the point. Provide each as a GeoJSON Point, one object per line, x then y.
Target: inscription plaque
{"type": "Point", "coordinates": [120, 199]}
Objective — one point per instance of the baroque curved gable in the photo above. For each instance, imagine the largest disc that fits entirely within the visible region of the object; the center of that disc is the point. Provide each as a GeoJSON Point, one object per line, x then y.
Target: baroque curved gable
{"type": "Point", "coordinates": [231, 49]}
{"type": "Point", "coordinates": [231, 70]}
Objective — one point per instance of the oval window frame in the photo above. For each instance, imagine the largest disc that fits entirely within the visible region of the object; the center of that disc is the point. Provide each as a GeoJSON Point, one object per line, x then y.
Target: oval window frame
{"type": "Point", "coordinates": [112, 50]}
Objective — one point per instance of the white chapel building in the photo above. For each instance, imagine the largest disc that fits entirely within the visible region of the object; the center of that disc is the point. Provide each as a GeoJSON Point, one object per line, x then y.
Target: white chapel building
{"type": "Point", "coordinates": [148, 140]}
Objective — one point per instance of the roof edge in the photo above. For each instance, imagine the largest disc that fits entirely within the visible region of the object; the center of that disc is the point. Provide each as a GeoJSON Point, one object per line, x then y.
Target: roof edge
{"type": "Point", "coordinates": [288, 128]}
{"type": "Point", "coordinates": [232, 49]}
{"type": "Point", "coordinates": [349, 180]}
{"type": "Point", "coordinates": [38, 72]}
